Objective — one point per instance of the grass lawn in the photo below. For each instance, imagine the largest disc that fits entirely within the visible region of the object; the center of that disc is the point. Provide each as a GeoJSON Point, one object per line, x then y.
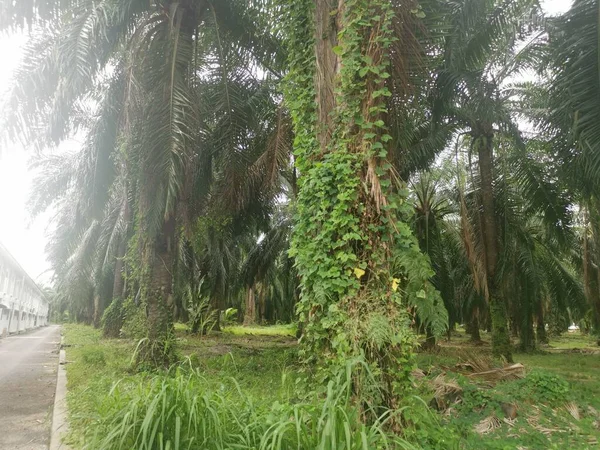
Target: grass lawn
{"type": "Point", "coordinates": [262, 363]}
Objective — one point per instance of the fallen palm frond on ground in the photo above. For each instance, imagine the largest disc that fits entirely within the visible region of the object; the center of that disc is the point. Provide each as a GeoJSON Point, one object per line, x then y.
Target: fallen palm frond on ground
{"type": "Point", "coordinates": [483, 368]}
{"type": "Point", "coordinates": [487, 425]}
{"type": "Point", "coordinates": [446, 392]}
{"type": "Point", "coordinates": [573, 409]}
{"type": "Point", "coordinates": [534, 421]}
{"type": "Point", "coordinates": [512, 372]}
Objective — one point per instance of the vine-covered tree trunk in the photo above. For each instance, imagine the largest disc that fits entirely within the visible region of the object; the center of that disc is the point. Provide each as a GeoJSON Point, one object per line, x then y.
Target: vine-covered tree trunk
{"type": "Point", "coordinates": [359, 263]}
{"type": "Point", "coordinates": [500, 336]}
{"type": "Point", "coordinates": [157, 288]}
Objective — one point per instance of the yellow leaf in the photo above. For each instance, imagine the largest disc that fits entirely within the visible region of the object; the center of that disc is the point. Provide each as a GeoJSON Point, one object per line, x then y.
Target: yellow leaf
{"type": "Point", "coordinates": [395, 284]}
{"type": "Point", "coordinates": [359, 272]}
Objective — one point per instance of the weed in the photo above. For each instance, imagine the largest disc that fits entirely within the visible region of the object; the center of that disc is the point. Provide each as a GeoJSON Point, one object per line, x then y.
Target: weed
{"type": "Point", "coordinates": [544, 387]}
{"type": "Point", "coordinates": [93, 356]}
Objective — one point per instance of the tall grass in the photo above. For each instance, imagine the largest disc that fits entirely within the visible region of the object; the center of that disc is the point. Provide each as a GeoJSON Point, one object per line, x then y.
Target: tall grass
{"type": "Point", "coordinates": [177, 411]}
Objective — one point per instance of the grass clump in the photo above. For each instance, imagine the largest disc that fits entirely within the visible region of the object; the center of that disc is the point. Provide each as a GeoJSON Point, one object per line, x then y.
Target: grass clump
{"type": "Point", "coordinates": [274, 330]}
{"type": "Point", "coordinates": [178, 410]}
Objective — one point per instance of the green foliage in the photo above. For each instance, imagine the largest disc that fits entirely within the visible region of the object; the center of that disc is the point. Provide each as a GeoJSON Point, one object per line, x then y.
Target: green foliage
{"type": "Point", "coordinates": [134, 320]}
{"type": "Point", "coordinates": [202, 317]}
{"type": "Point", "coordinates": [93, 356]}
{"type": "Point", "coordinates": [229, 316]}
{"type": "Point", "coordinates": [272, 330]}
{"type": "Point", "coordinates": [546, 387]}
{"type": "Point", "coordinates": [178, 411]}
{"type": "Point", "coordinates": [112, 319]}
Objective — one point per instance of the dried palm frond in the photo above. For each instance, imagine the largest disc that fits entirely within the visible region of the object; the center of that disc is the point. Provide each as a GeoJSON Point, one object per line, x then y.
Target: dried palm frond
{"type": "Point", "coordinates": [512, 372]}
{"type": "Point", "coordinates": [534, 421]}
{"type": "Point", "coordinates": [417, 374]}
{"type": "Point", "coordinates": [573, 409]}
{"type": "Point", "coordinates": [488, 425]}
{"type": "Point", "coordinates": [446, 393]}
{"type": "Point", "coordinates": [593, 411]}
{"type": "Point", "coordinates": [476, 363]}
{"type": "Point", "coordinates": [510, 422]}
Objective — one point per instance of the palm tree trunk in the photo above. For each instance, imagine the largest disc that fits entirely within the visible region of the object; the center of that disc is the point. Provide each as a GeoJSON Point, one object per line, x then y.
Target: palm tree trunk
{"type": "Point", "coordinates": [159, 350]}
{"type": "Point", "coordinates": [328, 65]}
{"type": "Point", "coordinates": [97, 310]}
{"type": "Point", "coordinates": [500, 337]}
{"type": "Point", "coordinates": [119, 279]}
{"type": "Point", "coordinates": [527, 338]}
{"type": "Point", "coordinates": [591, 274]}
{"type": "Point", "coordinates": [111, 328]}
{"type": "Point", "coordinates": [542, 337]}
{"type": "Point", "coordinates": [250, 312]}
{"type": "Point", "coordinates": [473, 328]}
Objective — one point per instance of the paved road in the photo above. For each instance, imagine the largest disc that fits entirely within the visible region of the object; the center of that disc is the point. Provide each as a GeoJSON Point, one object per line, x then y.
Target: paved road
{"type": "Point", "coordinates": [27, 384]}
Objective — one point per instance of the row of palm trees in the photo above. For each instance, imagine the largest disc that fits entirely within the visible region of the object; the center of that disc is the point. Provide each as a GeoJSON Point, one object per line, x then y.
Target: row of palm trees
{"type": "Point", "coordinates": [186, 179]}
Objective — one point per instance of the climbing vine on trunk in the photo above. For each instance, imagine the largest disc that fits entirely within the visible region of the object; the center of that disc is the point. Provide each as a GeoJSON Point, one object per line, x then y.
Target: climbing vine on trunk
{"type": "Point", "coordinates": [361, 268]}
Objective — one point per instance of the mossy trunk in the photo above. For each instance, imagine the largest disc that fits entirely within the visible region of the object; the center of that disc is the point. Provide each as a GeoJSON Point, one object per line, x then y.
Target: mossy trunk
{"type": "Point", "coordinates": [500, 341]}
{"type": "Point", "coordinates": [158, 350]}
{"type": "Point", "coordinates": [527, 337]}
{"type": "Point", "coordinates": [483, 137]}
{"type": "Point", "coordinates": [472, 328]}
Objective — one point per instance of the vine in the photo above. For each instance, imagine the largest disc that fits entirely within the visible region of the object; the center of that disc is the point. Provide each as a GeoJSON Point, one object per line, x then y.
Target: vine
{"type": "Point", "coordinates": [360, 265]}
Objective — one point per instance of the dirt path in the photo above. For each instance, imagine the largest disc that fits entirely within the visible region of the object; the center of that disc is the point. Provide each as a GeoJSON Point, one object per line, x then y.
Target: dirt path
{"type": "Point", "coordinates": [27, 383]}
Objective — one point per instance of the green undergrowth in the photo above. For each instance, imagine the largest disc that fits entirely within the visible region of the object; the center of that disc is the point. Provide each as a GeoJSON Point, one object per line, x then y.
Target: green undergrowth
{"type": "Point", "coordinates": [242, 391]}
{"type": "Point", "coordinates": [227, 393]}
{"type": "Point", "coordinates": [558, 377]}
{"type": "Point", "coordinates": [273, 330]}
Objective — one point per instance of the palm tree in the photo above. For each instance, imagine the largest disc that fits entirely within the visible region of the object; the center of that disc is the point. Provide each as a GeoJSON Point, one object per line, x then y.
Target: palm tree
{"type": "Point", "coordinates": [163, 54]}
{"type": "Point", "coordinates": [359, 263]}
{"type": "Point", "coordinates": [565, 112]}
{"type": "Point", "coordinates": [479, 55]}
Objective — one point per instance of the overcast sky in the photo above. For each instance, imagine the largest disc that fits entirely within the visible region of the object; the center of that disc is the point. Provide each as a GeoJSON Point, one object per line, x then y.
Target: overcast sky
{"type": "Point", "coordinates": [25, 238]}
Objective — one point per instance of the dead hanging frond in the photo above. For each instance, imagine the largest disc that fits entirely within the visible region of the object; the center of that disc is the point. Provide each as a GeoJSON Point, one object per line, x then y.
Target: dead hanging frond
{"type": "Point", "coordinates": [487, 425]}
{"type": "Point", "coordinates": [474, 257]}
{"type": "Point", "coordinates": [276, 158]}
{"type": "Point", "coordinates": [374, 186]}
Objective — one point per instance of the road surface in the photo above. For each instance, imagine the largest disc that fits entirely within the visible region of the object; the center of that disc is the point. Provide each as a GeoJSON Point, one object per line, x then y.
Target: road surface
{"type": "Point", "coordinates": [27, 383]}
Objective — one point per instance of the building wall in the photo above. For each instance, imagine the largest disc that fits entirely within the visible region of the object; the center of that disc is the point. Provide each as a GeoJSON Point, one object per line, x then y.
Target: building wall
{"type": "Point", "coordinates": [22, 304]}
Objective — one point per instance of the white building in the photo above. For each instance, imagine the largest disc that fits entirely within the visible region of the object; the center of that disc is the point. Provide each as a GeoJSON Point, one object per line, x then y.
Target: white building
{"type": "Point", "coordinates": [22, 304]}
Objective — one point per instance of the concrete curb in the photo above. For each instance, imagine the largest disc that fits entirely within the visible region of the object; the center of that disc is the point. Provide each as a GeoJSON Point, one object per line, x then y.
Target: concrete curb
{"type": "Point", "coordinates": [60, 425]}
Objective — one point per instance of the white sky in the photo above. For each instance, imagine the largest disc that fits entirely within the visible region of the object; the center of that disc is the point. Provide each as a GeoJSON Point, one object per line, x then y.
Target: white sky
{"type": "Point", "coordinates": [26, 239]}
